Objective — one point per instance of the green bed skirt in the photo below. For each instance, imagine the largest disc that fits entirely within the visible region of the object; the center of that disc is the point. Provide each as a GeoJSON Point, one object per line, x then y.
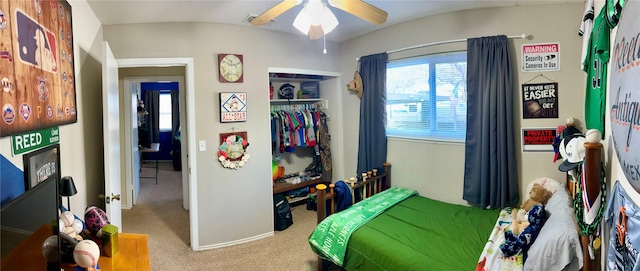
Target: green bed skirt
{"type": "Point", "coordinates": [421, 234]}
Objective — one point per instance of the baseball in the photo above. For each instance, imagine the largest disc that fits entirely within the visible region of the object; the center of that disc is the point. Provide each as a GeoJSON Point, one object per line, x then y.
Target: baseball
{"type": "Point", "coordinates": [50, 248]}
{"type": "Point", "coordinates": [593, 135]}
{"type": "Point", "coordinates": [67, 218]}
{"type": "Point", "coordinates": [60, 225]}
{"type": "Point", "coordinates": [77, 226]}
{"type": "Point", "coordinates": [70, 231]}
{"type": "Point", "coordinates": [95, 218]}
{"type": "Point", "coordinates": [86, 253]}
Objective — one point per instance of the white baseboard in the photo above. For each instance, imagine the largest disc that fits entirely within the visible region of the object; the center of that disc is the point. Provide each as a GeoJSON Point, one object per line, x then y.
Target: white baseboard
{"type": "Point", "coordinates": [237, 242]}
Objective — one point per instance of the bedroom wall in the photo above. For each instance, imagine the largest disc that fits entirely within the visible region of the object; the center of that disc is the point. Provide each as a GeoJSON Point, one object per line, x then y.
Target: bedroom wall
{"type": "Point", "coordinates": [234, 205]}
{"type": "Point", "coordinates": [81, 141]}
{"type": "Point", "coordinates": [436, 169]}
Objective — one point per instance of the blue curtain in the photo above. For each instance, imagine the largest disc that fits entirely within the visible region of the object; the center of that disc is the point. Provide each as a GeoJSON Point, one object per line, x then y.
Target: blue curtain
{"type": "Point", "coordinates": [152, 101]}
{"type": "Point", "coordinates": [372, 145]}
{"type": "Point", "coordinates": [490, 177]}
{"type": "Point", "coordinates": [175, 113]}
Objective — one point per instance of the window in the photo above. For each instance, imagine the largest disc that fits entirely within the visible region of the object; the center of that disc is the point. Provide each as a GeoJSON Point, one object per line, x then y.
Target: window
{"type": "Point", "coordinates": [418, 85]}
{"type": "Point", "coordinates": [165, 111]}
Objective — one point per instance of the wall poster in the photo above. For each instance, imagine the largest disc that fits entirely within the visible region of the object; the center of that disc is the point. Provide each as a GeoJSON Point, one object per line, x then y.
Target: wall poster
{"type": "Point", "coordinates": [233, 106]}
{"type": "Point", "coordinates": [36, 66]}
{"type": "Point", "coordinates": [624, 93]}
{"type": "Point", "coordinates": [540, 100]}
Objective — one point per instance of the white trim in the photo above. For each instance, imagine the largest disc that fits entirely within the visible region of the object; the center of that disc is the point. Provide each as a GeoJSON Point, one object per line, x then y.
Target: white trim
{"type": "Point", "coordinates": [241, 241]}
{"type": "Point", "coordinates": [302, 71]}
{"type": "Point", "coordinates": [190, 131]}
{"type": "Point", "coordinates": [130, 153]}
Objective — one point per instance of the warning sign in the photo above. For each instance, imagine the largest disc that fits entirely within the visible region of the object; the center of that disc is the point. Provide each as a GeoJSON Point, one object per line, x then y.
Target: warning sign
{"type": "Point", "coordinates": [538, 139]}
{"type": "Point", "coordinates": [541, 57]}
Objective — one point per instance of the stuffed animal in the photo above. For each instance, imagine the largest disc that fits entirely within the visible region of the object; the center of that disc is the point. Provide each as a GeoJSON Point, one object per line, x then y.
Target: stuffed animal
{"type": "Point", "coordinates": [514, 244]}
{"type": "Point", "coordinates": [520, 221]}
{"type": "Point", "coordinates": [538, 195]}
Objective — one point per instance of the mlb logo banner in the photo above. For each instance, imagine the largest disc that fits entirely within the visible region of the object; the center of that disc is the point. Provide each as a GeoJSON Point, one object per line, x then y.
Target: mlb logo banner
{"type": "Point", "coordinates": [36, 43]}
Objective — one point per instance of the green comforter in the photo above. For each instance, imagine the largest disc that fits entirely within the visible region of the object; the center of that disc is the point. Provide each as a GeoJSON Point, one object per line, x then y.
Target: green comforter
{"type": "Point", "coordinates": [421, 234]}
{"type": "Point", "coordinates": [329, 239]}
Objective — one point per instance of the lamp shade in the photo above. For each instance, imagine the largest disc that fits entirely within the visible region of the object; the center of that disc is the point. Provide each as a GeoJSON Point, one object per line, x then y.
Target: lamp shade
{"type": "Point", "coordinates": [67, 187]}
{"type": "Point", "coordinates": [315, 20]}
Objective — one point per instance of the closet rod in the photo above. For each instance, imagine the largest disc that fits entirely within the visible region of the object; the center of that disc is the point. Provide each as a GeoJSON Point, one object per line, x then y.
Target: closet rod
{"type": "Point", "coordinates": [523, 36]}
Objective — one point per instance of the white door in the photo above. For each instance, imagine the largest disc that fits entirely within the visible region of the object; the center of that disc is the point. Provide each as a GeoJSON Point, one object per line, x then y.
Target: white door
{"type": "Point", "coordinates": [111, 132]}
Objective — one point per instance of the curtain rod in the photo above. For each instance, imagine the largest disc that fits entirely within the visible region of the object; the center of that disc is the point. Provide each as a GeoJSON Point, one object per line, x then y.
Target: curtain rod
{"type": "Point", "coordinates": [523, 36]}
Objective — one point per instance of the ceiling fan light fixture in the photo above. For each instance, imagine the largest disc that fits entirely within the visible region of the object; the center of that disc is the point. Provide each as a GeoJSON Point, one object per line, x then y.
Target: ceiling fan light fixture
{"type": "Point", "coordinates": [314, 14]}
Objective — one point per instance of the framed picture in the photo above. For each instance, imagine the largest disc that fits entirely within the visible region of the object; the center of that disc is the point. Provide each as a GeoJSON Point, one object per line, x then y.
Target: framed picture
{"type": "Point", "coordinates": [37, 67]}
{"type": "Point", "coordinates": [41, 165]}
{"type": "Point", "coordinates": [233, 106]}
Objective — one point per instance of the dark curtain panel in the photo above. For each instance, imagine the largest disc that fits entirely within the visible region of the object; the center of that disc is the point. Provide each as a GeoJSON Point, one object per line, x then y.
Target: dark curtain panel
{"type": "Point", "coordinates": [152, 100]}
{"type": "Point", "coordinates": [175, 113]}
{"type": "Point", "coordinates": [490, 177]}
{"type": "Point", "coordinates": [372, 145]}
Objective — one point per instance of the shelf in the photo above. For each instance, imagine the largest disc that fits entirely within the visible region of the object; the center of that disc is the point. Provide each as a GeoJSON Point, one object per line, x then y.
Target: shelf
{"type": "Point", "coordinates": [284, 187]}
{"type": "Point", "coordinates": [288, 101]}
{"type": "Point", "coordinates": [298, 199]}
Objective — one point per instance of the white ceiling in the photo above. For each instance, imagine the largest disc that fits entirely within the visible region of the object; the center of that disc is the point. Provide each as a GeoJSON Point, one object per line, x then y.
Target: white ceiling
{"type": "Point", "coordinates": [235, 12]}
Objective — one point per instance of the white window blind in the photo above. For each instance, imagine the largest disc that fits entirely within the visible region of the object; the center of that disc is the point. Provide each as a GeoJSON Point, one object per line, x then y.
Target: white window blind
{"type": "Point", "coordinates": [165, 111]}
{"type": "Point", "coordinates": [426, 97]}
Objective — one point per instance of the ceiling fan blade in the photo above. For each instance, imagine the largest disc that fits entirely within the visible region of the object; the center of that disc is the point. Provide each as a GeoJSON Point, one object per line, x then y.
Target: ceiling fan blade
{"type": "Point", "coordinates": [275, 11]}
{"type": "Point", "coordinates": [362, 10]}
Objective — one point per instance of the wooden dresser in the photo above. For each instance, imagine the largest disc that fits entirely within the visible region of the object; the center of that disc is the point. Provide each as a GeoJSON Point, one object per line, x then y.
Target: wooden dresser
{"type": "Point", "coordinates": [133, 253]}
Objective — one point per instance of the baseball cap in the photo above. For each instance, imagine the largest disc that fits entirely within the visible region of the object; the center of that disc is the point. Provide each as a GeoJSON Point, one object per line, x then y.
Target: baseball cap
{"type": "Point", "coordinates": [573, 151]}
{"type": "Point", "coordinates": [567, 132]}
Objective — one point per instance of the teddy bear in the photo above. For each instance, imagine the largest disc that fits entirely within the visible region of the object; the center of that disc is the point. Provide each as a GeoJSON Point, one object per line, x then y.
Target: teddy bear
{"type": "Point", "coordinates": [538, 195]}
{"type": "Point", "coordinates": [516, 243]}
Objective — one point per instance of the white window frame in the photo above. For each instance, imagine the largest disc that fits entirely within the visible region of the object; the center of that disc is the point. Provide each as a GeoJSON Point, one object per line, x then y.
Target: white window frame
{"type": "Point", "coordinates": [413, 106]}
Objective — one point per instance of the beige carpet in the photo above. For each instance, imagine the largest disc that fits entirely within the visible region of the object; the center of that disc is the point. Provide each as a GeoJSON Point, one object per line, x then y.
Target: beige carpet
{"type": "Point", "coordinates": [159, 214]}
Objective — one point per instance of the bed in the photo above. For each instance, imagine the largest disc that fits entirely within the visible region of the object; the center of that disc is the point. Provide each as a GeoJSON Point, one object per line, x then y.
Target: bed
{"type": "Point", "coordinates": [418, 233]}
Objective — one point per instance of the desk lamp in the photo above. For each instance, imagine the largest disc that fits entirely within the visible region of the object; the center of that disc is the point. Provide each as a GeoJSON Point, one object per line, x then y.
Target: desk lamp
{"type": "Point", "coordinates": [67, 189]}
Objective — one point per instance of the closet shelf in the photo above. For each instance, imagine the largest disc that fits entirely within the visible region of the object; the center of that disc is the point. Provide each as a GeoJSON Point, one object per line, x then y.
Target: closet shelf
{"type": "Point", "coordinates": [294, 101]}
{"type": "Point", "coordinates": [280, 187]}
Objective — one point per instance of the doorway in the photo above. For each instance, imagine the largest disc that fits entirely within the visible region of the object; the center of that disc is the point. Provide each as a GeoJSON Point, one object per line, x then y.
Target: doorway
{"type": "Point", "coordinates": [186, 81]}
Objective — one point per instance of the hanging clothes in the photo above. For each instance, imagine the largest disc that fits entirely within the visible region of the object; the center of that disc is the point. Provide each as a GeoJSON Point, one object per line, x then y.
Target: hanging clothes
{"type": "Point", "coordinates": [303, 126]}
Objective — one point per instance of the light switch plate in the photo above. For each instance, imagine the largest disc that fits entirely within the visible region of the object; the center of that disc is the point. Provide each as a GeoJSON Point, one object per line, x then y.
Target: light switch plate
{"type": "Point", "coordinates": [203, 145]}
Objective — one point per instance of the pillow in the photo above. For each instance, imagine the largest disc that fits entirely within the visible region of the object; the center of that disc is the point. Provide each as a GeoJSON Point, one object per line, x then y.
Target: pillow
{"type": "Point", "coordinates": [559, 201]}
{"type": "Point", "coordinates": [558, 244]}
{"type": "Point", "coordinates": [548, 183]}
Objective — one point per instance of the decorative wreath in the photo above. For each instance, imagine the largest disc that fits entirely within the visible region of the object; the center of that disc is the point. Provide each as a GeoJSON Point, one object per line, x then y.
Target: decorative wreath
{"type": "Point", "coordinates": [233, 152]}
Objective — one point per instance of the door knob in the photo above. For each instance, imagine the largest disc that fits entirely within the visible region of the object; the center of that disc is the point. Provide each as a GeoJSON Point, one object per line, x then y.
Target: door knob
{"type": "Point", "coordinates": [109, 199]}
{"type": "Point", "coordinates": [105, 198]}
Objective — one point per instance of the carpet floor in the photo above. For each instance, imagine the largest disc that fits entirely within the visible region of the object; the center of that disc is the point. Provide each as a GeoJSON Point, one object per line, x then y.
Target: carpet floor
{"type": "Point", "coordinates": [159, 214]}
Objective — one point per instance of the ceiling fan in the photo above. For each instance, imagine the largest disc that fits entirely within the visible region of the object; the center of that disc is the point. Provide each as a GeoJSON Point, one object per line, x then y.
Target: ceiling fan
{"type": "Point", "coordinates": [357, 8]}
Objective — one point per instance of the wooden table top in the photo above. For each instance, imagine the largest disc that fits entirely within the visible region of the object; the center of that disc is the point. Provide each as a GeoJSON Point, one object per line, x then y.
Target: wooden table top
{"type": "Point", "coordinates": [133, 253]}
